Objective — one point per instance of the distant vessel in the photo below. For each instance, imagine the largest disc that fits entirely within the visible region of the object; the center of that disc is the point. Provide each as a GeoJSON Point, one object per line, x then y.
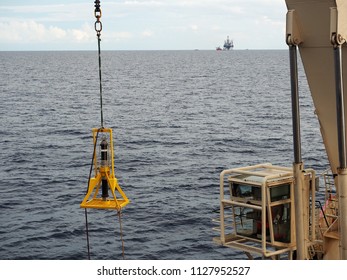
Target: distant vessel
{"type": "Point", "coordinates": [228, 44]}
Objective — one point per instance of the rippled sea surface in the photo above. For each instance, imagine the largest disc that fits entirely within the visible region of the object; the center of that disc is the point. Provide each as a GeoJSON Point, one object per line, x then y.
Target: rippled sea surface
{"type": "Point", "coordinates": [178, 117]}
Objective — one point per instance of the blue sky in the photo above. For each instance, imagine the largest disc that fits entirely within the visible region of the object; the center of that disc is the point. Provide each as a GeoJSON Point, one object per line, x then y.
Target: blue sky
{"type": "Point", "coordinates": [142, 24]}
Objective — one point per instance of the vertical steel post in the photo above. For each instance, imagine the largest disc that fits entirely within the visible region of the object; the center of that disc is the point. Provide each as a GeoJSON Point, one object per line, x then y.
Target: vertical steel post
{"type": "Point", "coordinates": [341, 134]}
{"type": "Point", "coordinates": [340, 108]}
{"type": "Point", "coordinates": [295, 102]}
{"type": "Point", "coordinates": [222, 222]}
{"type": "Point", "coordinates": [297, 165]}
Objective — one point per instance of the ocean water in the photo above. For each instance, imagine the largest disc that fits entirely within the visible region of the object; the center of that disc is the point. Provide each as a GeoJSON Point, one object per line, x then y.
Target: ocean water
{"type": "Point", "coordinates": [178, 117]}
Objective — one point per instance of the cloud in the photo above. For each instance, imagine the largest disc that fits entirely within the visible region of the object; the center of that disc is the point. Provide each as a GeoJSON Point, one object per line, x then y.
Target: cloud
{"type": "Point", "coordinates": [29, 31]}
{"type": "Point", "coordinates": [147, 33]}
{"type": "Point", "coordinates": [84, 34]}
{"type": "Point", "coordinates": [57, 32]}
{"type": "Point", "coordinates": [32, 32]}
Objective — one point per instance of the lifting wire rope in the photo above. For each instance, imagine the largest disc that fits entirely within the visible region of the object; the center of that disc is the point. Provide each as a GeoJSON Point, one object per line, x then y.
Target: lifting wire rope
{"type": "Point", "coordinates": [104, 171]}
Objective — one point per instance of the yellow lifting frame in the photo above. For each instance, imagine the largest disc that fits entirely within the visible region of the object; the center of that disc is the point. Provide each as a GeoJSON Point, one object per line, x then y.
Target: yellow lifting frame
{"type": "Point", "coordinates": [94, 184]}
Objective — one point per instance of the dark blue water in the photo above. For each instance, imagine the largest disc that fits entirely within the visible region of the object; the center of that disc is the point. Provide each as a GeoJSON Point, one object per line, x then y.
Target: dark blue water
{"type": "Point", "coordinates": [178, 117]}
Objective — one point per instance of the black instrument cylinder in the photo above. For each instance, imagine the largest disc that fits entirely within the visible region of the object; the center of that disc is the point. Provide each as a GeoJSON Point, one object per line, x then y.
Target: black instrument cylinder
{"type": "Point", "coordinates": [104, 188]}
{"type": "Point", "coordinates": [104, 184]}
{"type": "Point", "coordinates": [103, 149]}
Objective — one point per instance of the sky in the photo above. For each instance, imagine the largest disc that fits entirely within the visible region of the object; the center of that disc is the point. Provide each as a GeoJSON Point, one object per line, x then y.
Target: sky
{"type": "Point", "coordinates": [142, 24]}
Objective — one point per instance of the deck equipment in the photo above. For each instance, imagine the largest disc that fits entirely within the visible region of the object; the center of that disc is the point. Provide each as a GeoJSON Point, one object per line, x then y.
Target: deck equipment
{"type": "Point", "coordinates": [306, 229]}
